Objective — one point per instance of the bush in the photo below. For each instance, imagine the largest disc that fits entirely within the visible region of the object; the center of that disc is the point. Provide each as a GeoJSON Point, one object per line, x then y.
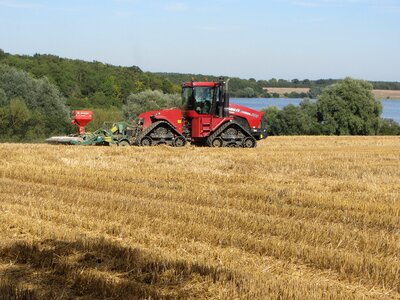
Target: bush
{"type": "Point", "coordinates": [349, 108]}
{"type": "Point", "coordinates": [22, 96]}
{"type": "Point", "coordinates": [40, 97]}
{"type": "Point", "coordinates": [247, 92]}
{"type": "Point", "coordinates": [344, 108]}
{"type": "Point", "coordinates": [389, 127]}
{"type": "Point", "coordinates": [149, 100]}
{"type": "Point", "coordinates": [103, 115]}
{"type": "Point", "coordinates": [271, 119]}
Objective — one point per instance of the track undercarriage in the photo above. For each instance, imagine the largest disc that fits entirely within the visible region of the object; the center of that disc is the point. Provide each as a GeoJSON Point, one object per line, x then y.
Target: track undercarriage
{"type": "Point", "coordinates": [231, 134]}
{"type": "Point", "coordinates": [161, 132]}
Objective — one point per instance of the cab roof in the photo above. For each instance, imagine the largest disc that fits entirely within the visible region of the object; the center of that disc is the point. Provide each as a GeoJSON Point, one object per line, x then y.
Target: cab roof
{"type": "Point", "coordinates": [200, 83]}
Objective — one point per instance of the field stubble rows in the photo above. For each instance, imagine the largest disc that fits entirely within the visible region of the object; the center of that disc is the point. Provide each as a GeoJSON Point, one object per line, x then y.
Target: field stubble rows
{"type": "Point", "coordinates": [297, 217]}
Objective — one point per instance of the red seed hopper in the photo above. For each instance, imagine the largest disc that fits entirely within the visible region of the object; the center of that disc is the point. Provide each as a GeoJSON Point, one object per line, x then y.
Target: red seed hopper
{"type": "Point", "coordinates": [81, 118]}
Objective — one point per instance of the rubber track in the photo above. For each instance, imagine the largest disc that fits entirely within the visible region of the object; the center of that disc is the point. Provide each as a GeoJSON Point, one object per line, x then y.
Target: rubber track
{"type": "Point", "coordinates": [223, 127]}
{"type": "Point", "coordinates": [153, 126]}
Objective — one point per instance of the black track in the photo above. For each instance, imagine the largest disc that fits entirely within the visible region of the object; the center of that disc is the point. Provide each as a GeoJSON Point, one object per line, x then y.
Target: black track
{"type": "Point", "coordinates": [229, 140]}
{"type": "Point", "coordinates": [160, 136]}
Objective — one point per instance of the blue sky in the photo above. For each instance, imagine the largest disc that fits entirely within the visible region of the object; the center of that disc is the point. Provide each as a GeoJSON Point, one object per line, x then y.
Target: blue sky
{"type": "Point", "coordinates": [260, 39]}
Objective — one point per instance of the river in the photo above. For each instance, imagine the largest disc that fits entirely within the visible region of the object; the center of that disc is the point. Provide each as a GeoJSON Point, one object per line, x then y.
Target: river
{"type": "Point", "coordinates": [391, 108]}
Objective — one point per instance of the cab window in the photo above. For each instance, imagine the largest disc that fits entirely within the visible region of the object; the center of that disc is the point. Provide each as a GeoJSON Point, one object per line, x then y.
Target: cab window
{"type": "Point", "coordinates": [203, 97]}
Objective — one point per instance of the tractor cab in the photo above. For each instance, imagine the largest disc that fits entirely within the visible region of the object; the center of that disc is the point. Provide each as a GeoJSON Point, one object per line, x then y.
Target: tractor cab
{"type": "Point", "coordinates": [205, 107]}
{"type": "Point", "coordinates": [200, 98]}
{"type": "Point", "coordinates": [206, 98]}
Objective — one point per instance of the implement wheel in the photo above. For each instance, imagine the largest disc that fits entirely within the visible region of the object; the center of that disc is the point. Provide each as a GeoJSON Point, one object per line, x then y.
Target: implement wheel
{"type": "Point", "coordinates": [123, 143]}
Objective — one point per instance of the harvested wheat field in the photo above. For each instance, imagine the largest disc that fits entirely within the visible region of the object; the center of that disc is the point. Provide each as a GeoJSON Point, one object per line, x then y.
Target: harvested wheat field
{"type": "Point", "coordinates": [387, 94]}
{"type": "Point", "coordinates": [282, 91]}
{"type": "Point", "coordinates": [295, 218]}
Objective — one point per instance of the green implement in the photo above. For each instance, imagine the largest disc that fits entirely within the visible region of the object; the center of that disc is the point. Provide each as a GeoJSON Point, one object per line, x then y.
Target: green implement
{"type": "Point", "coordinates": [109, 134]}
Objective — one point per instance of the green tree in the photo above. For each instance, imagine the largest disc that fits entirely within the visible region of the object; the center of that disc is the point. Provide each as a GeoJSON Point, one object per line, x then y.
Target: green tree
{"type": "Point", "coordinates": [349, 108]}
{"type": "Point", "coordinates": [292, 121]}
{"type": "Point", "coordinates": [36, 127]}
{"type": "Point", "coordinates": [78, 79]}
{"type": "Point", "coordinates": [295, 81]}
{"type": "Point", "coordinates": [14, 119]}
{"type": "Point", "coordinates": [2, 54]}
{"type": "Point", "coordinates": [273, 82]}
{"type": "Point", "coordinates": [315, 91]}
{"type": "Point", "coordinates": [3, 98]}
{"type": "Point", "coordinates": [103, 115]}
{"type": "Point", "coordinates": [247, 92]}
{"type": "Point", "coordinates": [40, 96]}
{"type": "Point", "coordinates": [271, 118]}
{"type": "Point", "coordinates": [18, 113]}
{"type": "Point", "coordinates": [112, 90]}
{"type": "Point", "coordinates": [99, 99]}
{"type": "Point", "coordinates": [309, 115]}
{"type": "Point", "coordinates": [79, 103]}
{"type": "Point", "coordinates": [388, 127]}
{"type": "Point", "coordinates": [149, 100]}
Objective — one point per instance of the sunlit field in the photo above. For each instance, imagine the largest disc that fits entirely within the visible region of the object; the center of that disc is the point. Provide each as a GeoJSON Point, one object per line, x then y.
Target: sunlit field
{"type": "Point", "coordinates": [296, 217]}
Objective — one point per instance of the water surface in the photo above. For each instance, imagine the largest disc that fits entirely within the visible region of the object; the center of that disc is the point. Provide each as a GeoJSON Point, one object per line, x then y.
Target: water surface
{"type": "Point", "coordinates": [391, 108]}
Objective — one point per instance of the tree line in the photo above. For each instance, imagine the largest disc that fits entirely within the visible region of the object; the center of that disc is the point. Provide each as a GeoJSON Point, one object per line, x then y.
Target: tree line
{"type": "Point", "coordinates": [89, 84]}
{"type": "Point", "coordinates": [38, 92]}
{"type": "Point", "coordinates": [252, 88]}
{"type": "Point", "coordinates": [347, 107]}
{"type": "Point", "coordinates": [79, 84]}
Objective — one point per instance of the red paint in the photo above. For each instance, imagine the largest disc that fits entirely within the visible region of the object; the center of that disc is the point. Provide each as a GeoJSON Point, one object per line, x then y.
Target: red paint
{"type": "Point", "coordinates": [204, 125]}
{"type": "Point", "coordinates": [81, 118]}
{"type": "Point", "coordinates": [172, 116]}
{"type": "Point", "coordinates": [252, 116]}
{"type": "Point", "coordinates": [204, 84]}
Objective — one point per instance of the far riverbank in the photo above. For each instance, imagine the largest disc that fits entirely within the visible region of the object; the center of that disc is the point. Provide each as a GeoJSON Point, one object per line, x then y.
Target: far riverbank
{"type": "Point", "coordinates": [391, 107]}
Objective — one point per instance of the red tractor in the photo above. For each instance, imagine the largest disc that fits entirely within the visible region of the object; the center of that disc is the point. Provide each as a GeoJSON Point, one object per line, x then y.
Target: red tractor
{"type": "Point", "coordinates": [205, 119]}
